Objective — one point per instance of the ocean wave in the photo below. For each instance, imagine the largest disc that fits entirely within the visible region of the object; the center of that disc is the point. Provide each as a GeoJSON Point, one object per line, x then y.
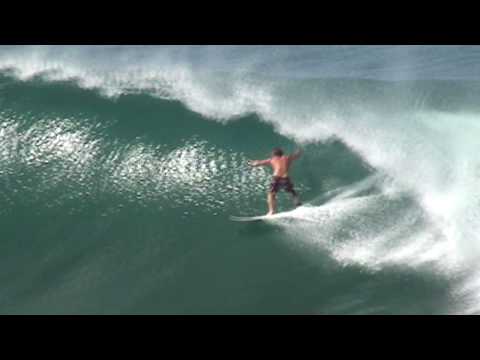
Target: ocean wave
{"type": "Point", "coordinates": [399, 191]}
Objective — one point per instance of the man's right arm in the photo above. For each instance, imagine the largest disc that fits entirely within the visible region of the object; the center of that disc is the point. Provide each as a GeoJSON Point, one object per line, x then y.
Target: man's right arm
{"type": "Point", "coordinates": [296, 154]}
{"type": "Point", "coordinates": [259, 162]}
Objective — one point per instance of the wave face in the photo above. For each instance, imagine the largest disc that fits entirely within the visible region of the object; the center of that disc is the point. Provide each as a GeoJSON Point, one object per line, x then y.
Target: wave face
{"type": "Point", "coordinates": [119, 167]}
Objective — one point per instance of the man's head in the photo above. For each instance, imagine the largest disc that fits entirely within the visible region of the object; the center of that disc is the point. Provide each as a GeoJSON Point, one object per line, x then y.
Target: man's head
{"type": "Point", "coordinates": [277, 152]}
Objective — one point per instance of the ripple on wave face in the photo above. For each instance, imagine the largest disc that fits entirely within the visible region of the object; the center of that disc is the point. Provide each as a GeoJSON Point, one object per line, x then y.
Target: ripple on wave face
{"type": "Point", "coordinates": [195, 173]}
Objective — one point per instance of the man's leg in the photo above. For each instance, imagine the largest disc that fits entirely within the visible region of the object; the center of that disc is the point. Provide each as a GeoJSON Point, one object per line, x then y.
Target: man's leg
{"type": "Point", "coordinates": [272, 203]}
{"type": "Point", "coordinates": [296, 199]}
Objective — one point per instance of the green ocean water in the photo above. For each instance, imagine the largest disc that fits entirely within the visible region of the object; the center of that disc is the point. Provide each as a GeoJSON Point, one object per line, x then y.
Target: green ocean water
{"type": "Point", "coordinates": [117, 186]}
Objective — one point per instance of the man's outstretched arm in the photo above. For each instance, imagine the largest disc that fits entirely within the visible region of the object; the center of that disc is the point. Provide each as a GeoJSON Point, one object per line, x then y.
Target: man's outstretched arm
{"type": "Point", "coordinates": [259, 162]}
{"type": "Point", "coordinates": [296, 154]}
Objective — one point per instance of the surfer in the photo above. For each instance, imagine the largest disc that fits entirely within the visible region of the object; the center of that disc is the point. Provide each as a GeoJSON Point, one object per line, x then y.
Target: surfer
{"type": "Point", "coordinates": [280, 164]}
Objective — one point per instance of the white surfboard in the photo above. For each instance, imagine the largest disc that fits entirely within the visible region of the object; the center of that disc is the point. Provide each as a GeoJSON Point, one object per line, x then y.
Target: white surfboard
{"type": "Point", "coordinates": [279, 215]}
{"type": "Point", "coordinates": [261, 217]}
{"type": "Point", "coordinates": [249, 218]}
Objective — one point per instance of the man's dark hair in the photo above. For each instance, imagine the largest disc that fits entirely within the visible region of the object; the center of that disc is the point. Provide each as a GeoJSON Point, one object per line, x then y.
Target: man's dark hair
{"type": "Point", "coordinates": [277, 152]}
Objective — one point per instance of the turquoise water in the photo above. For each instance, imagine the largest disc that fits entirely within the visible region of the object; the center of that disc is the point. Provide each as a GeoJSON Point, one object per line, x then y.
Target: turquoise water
{"type": "Point", "coordinates": [119, 168]}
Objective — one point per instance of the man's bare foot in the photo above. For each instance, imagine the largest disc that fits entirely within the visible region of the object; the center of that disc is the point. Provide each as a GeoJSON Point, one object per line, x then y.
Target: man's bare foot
{"type": "Point", "coordinates": [270, 213]}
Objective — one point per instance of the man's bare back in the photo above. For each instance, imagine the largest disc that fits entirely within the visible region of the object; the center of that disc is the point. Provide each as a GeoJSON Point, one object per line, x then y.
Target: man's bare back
{"type": "Point", "coordinates": [280, 164]}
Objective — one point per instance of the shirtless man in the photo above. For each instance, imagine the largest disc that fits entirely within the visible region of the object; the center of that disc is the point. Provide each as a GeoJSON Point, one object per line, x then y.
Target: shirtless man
{"type": "Point", "coordinates": [280, 164]}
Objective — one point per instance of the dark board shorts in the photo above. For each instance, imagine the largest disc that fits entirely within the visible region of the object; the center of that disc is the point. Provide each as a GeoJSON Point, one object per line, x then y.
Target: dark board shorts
{"type": "Point", "coordinates": [281, 183]}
